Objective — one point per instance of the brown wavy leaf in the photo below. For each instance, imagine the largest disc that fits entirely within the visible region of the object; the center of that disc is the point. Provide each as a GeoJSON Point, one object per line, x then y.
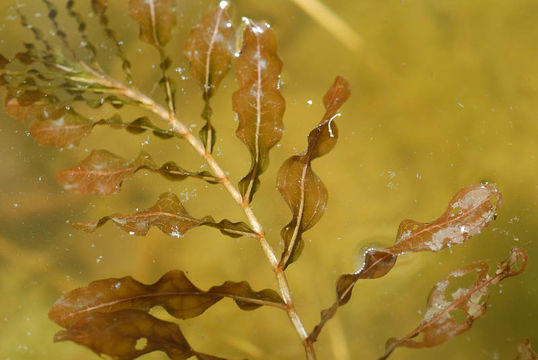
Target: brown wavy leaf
{"type": "Point", "coordinates": [526, 351]}
{"type": "Point", "coordinates": [300, 187]}
{"type": "Point", "coordinates": [99, 7]}
{"type": "Point", "coordinates": [29, 56]}
{"type": "Point", "coordinates": [128, 334]}
{"type": "Point", "coordinates": [81, 28]}
{"type": "Point", "coordinates": [468, 213]}
{"type": "Point", "coordinates": [103, 173]}
{"type": "Point", "coordinates": [173, 291]}
{"type": "Point", "coordinates": [209, 51]}
{"type": "Point", "coordinates": [440, 323]}
{"type": "Point", "coordinates": [66, 129]}
{"type": "Point", "coordinates": [258, 102]}
{"type": "Point", "coordinates": [156, 19]}
{"type": "Point", "coordinates": [377, 263]}
{"type": "Point", "coordinates": [24, 104]}
{"type": "Point", "coordinates": [169, 215]}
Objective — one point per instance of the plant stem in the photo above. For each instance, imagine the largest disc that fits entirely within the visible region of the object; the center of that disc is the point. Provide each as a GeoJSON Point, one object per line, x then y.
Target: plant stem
{"type": "Point", "coordinates": [185, 133]}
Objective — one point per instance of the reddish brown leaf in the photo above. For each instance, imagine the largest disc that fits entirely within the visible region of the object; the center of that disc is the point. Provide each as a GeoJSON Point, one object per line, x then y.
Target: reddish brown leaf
{"type": "Point", "coordinates": [525, 351]}
{"type": "Point", "coordinates": [300, 187]}
{"type": "Point", "coordinates": [174, 292]}
{"type": "Point", "coordinates": [439, 323]}
{"type": "Point", "coordinates": [142, 124]}
{"type": "Point", "coordinates": [102, 173]}
{"type": "Point", "coordinates": [468, 213]}
{"type": "Point", "coordinates": [99, 8]}
{"type": "Point", "coordinates": [258, 103]}
{"type": "Point", "coordinates": [169, 215]}
{"type": "Point", "coordinates": [66, 129]}
{"type": "Point", "coordinates": [128, 334]}
{"type": "Point", "coordinates": [209, 51]}
{"type": "Point", "coordinates": [156, 19]}
{"type": "Point", "coordinates": [377, 263]}
{"type": "Point", "coordinates": [26, 104]}
{"type": "Point", "coordinates": [29, 56]}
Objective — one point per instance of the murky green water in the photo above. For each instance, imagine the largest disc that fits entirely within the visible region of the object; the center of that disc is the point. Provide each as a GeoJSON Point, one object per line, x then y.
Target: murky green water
{"type": "Point", "coordinates": [444, 95]}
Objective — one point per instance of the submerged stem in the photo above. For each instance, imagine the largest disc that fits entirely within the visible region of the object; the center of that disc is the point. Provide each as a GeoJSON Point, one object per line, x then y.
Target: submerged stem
{"type": "Point", "coordinates": [185, 133]}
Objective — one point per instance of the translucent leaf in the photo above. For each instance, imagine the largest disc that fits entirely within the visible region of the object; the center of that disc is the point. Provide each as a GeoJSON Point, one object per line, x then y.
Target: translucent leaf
{"type": "Point", "coordinates": [81, 27]}
{"type": "Point", "coordinates": [440, 323]}
{"type": "Point", "coordinates": [99, 7]}
{"type": "Point", "coordinates": [66, 129]}
{"type": "Point", "coordinates": [300, 187]}
{"type": "Point", "coordinates": [36, 32]}
{"type": "Point", "coordinates": [29, 56]}
{"type": "Point", "coordinates": [169, 215]}
{"type": "Point", "coordinates": [258, 102]}
{"type": "Point", "coordinates": [525, 351]}
{"type": "Point", "coordinates": [25, 104]}
{"type": "Point", "coordinates": [142, 124]}
{"type": "Point", "coordinates": [156, 19]}
{"type": "Point", "coordinates": [377, 263]}
{"type": "Point", "coordinates": [172, 171]}
{"type": "Point", "coordinates": [173, 291]}
{"type": "Point", "coordinates": [58, 31]}
{"type": "Point", "coordinates": [128, 334]}
{"type": "Point", "coordinates": [468, 213]}
{"type": "Point", "coordinates": [103, 172]}
{"type": "Point", "coordinates": [209, 51]}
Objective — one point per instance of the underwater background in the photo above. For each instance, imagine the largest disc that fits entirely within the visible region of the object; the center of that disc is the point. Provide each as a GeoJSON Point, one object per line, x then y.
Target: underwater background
{"type": "Point", "coordinates": [444, 94]}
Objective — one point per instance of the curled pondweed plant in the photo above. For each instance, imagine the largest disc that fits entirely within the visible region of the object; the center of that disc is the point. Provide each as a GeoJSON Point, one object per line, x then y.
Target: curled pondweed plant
{"type": "Point", "coordinates": [112, 316]}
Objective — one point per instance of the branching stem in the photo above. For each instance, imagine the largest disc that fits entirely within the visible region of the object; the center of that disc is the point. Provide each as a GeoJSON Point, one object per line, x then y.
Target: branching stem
{"type": "Point", "coordinates": [185, 133]}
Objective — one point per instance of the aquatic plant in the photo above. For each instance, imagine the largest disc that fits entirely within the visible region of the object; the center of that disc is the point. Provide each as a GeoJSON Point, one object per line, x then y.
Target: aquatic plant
{"type": "Point", "coordinates": [112, 316]}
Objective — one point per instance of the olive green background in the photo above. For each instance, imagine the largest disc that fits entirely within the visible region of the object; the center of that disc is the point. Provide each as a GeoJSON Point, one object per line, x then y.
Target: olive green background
{"type": "Point", "coordinates": [444, 94]}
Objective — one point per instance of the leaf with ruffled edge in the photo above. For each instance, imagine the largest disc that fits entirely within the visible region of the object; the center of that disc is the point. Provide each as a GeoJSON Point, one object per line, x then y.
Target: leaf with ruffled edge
{"type": "Point", "coordinates": [300, 187]}
{"type": "Point", "coordinates": [258, 102]}
{"type": "Point", "coordinates": [468, 213]}
{"type": "Point", "coordinates": [169, 215]}
{"type": "Point", "coordinates": [67, 128]}
{"type": "Point", "coordinates": [156, 19]}
{"type": "Point", "coordinates": [209, 51]}
{"type": "Point", "coordinates": [526, 352]}
{"type": "Point", "coordinates": [440, 324]}
{"type": "Point", "coordinates": [128, 334]}
{"type": "Point", "coordinates": [103, 173]}
{"type": "Point", "coordinates": [173, 291]}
